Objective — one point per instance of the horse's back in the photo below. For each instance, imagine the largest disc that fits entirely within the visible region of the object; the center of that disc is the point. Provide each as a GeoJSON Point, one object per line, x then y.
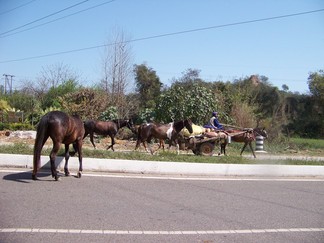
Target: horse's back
{"type": "Point", "coordinates": [241, 135]}
{"type": "Point", "coordinates": [63, 128]}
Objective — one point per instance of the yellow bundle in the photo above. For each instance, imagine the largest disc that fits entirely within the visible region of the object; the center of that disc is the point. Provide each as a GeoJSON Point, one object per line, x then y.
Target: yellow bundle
{"type": "Point", "coordinates": [197, 130]}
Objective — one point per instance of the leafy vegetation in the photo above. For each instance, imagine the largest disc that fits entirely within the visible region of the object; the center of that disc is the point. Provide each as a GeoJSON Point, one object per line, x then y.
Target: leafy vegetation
{"type": "Point", "coordinates": [246, 102]}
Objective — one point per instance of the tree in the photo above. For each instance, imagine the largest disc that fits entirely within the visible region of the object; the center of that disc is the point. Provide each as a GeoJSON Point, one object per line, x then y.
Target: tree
{"type": "Point", "coordinates": [117, 71]}
{"type": "Point", "coordinates": [316, 84]}
{"type": "Point", "coordinates": [189, 78]}
{"type": "Point", "coordinates": [179, 103]}
{"type": "Point", "coordinates": [54, 75]}
{"type": "Point", "coordinates": [285, 87]}
{"type": "Point", "coordinates": [316, 87]}
{"type": "Point", "coordinates": [52, 97]}
{"type": "Point", "coordinates": [87, 103]}
{"type": "Point", "coordinates": [148, 85]}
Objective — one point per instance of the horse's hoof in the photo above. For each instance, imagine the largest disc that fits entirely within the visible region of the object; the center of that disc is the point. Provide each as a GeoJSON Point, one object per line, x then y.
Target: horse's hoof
{"type": "Point", "coordinates": [67, 173]}
{"type": "Point", "coordinates": [34, 177]}
{"type": "Point", "coordinates": [57, 178]}
{"type": "Point", "coordinates": [79, 174]}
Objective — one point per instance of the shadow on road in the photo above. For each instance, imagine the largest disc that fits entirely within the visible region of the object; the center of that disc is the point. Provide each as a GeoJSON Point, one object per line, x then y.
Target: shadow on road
{"type": "Point", "coordinates": [26, 176]}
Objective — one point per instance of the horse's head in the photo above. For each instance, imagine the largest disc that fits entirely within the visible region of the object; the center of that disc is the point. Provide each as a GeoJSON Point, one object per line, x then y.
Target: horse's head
{"type": "Point", "coordinates": [261, 132]}
{"type": "Point", "coordinates": [188, 125]}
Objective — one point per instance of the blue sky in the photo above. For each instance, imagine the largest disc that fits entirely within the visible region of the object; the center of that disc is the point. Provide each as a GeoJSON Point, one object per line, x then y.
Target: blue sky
{"type": "Point", "coordinates": [285, 50]}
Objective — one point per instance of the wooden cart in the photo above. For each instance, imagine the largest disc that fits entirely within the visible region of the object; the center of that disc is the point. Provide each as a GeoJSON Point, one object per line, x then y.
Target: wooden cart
{"type": "Point", "coordinates": [202, 145]}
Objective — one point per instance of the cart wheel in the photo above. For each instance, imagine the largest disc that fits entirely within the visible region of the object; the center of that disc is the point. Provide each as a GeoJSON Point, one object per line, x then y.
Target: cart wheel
{"type": "Point", "coordinates": [206, 149]}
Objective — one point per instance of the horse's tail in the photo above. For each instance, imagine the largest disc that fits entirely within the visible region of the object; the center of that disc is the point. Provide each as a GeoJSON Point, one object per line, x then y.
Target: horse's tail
{"type": "Point", "coordinates": [89, 127]}
{"type": "Point", "coordinates": [41, 135]}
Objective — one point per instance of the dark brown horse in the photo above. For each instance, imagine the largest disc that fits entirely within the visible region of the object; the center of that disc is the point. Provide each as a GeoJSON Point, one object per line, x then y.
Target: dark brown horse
{"type": "Point", "coordinates": [138, 128]}
{"type": "Point", "coordinates": [246, 136]}
{"type": "Point", "coordinates": [62, 129]}
{"type": "Point", "coordinates": [106, 128]}
{"type": "Point", "coordinates": [162, 131]}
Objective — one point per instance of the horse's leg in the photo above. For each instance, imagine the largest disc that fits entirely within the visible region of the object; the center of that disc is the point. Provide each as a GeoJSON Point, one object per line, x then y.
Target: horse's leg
{"type": "Point", "coordinates": [85, 134]}
{"type": "Point", "coordinates": [67, 156]}
{"type": "Point", "coordinates": [222, 148]}
{"type": "Point", "coordinates": [250, 144]}
{"type": "Point", "coordinates": [112, 143]}
{"type": "Point", "coordinates": [56, 147]}
{"type": "Point", "coordinates": [148, 142]}
{"type": "Point", "coordinates": [79, 147]}
{"type": "Point", "coordinates": [245, 144]}
{"type": "Point", "coordinates": [138, 143]}
{"type": "Point", "coordinates": [91, 140]}
{"type": "Point", "coordinates": [177, 145]}
{"type": "Point", "coordinates": [161, 144]}
{"type": "Point", "coordinates": [147, 147]}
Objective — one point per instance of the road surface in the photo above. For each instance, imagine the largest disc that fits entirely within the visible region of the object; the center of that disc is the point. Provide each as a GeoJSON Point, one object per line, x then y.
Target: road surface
{"type": "Point", "coordinates": [103, 207]}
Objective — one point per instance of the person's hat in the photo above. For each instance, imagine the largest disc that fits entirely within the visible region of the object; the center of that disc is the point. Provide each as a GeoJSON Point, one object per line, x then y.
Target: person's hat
{"type": "Point", "coordinates": [214, 113]}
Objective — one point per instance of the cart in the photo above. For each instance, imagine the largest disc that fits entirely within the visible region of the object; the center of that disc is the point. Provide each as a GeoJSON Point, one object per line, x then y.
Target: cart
{"type": "Point", "coordinates": [202, 145]}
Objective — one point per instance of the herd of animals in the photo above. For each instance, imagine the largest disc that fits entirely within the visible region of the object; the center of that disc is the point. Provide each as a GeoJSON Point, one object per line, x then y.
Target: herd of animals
{"type": "Point", "coordinates": [66, 129]}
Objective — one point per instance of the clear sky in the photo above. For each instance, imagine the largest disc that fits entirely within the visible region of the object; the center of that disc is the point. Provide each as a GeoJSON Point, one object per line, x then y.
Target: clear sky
{"type": "Point", "coordinates": [225, 39]}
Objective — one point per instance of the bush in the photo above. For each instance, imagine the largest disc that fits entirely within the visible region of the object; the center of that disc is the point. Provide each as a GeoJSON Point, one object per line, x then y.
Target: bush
{"type": "Point", "coordinates": [4, 126]}
{"type": "Point", "coordinates": [16, 126]}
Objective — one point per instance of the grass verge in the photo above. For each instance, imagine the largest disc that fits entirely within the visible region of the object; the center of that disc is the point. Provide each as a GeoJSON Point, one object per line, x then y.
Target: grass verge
{"type": "Point", "coordinates": [232, 158]}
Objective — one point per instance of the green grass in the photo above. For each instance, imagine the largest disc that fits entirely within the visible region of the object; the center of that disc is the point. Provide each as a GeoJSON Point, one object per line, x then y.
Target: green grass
{"type": "Point", "coordinates": [299, 146]}
{"type": "Point", "coordinates": [303, 144]}
{"type": "Point", "coordinates": [233, 151]}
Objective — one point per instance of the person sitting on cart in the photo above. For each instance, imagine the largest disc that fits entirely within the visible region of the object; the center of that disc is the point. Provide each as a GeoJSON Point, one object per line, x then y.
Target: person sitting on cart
{"type": "Point", "coordinates": [214, 123]}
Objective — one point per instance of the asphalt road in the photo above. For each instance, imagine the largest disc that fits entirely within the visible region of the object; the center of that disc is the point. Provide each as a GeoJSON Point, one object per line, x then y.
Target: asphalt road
{"type": "Point", "coordinates": [118, 208]}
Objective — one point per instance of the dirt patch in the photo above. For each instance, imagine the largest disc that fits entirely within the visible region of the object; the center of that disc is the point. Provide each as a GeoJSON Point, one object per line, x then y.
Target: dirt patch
{"type": "Point", "coordinates": [28, 137]}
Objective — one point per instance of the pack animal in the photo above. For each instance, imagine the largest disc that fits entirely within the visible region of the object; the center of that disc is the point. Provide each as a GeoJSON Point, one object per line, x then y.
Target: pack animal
{"type": "Point", "coordinates": [246, 136]}
{"type": "Point", "coordinates": [62, 129]}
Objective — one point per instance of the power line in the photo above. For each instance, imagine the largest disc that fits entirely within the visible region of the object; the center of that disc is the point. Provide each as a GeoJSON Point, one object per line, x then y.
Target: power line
{"type": "Point", "coordinates": [47, 16]}
{"type": "Point", "coordinates": [22, 5]}
{"type": "Point", "coordinates": [54, 20]}
{"type": "Point", "coordinates": [167, 34]}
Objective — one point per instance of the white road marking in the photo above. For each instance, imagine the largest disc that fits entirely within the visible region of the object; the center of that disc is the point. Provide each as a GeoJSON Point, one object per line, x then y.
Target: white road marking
{"type": "Point", "coordinates": [197, 178]}
{"type": "Point", "coordinates": [147, 232]}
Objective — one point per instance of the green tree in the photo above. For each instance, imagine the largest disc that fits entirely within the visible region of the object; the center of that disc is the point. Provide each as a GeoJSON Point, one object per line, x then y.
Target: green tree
{"type": "Point", "coordinates": [179, 103]}
{"type": "Point", "coordinates": [148, 85]}
{"type": "Point", "coordinates": [21, 100]}
{"type": "Point", "coordinates": [52, 98]}
{"type": "Point", "coordinates": [316, 84]}
{"type": "Point", "coordinates": [316, 87]}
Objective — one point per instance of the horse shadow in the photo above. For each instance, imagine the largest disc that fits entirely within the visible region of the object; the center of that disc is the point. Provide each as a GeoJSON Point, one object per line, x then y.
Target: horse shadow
{"type": "Point", "coordinates": [43, 175]}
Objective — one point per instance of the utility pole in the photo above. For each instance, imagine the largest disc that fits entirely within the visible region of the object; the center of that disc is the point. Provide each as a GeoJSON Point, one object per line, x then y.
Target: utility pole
{"type": "Point", "coordinates": [8, 82]}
